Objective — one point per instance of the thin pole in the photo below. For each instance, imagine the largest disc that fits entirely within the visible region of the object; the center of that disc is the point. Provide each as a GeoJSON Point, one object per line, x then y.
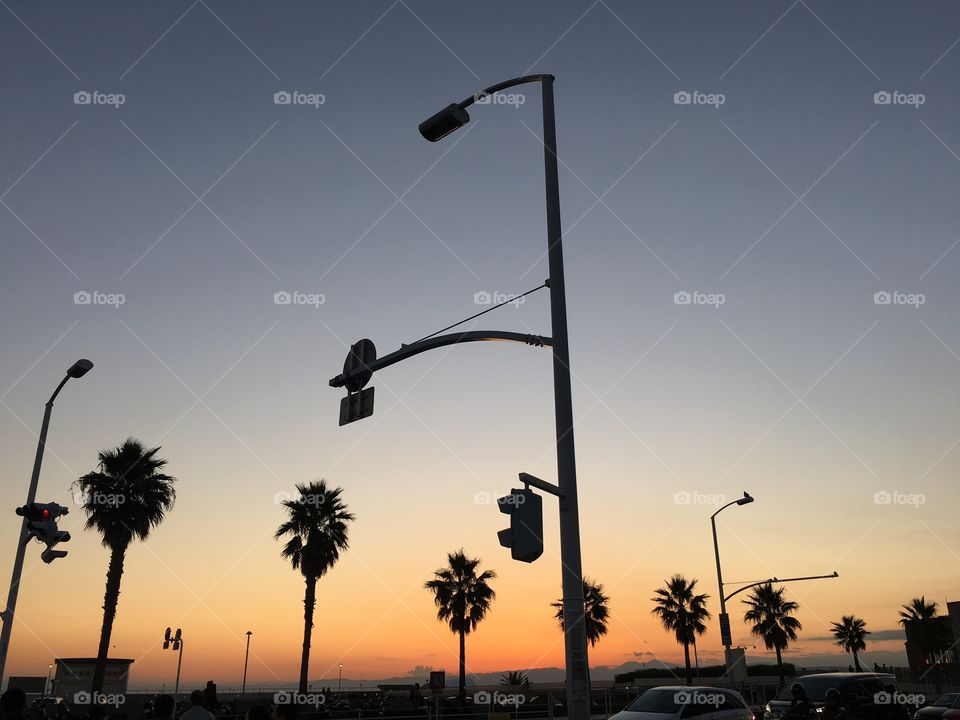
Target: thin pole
{"type": "Point", "coordinates": [245, 658]}
{"type": "Point", "coordinates": [575, 636]}
{"type": "Point", "coordinates": [340, 679]}
{"type": "Point", "coordinates": [176, 690]}
{"type": "Point", "coordinates": [24, 533]}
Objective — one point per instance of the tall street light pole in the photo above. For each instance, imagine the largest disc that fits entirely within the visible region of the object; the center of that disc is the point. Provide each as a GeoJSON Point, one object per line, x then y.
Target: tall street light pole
{"type": "Point", "coordinates": [725, 634]}
{"type": "Point", "coordinates": [575, 638]}
{"type": "Point", "coordinates": [246, 657]}
{"type": "Point", "coordinates": [340, 679]}
{"type": "Point", "coordinates": [77, 370]}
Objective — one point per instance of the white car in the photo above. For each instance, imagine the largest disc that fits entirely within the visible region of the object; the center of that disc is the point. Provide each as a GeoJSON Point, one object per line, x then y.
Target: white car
{"type": "Point", "coordinates": [672, 702]}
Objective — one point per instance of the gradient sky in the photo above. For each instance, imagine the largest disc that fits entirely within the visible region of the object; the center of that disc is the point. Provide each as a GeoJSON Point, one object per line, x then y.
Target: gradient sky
{"type": "Point", "coordinates": [198, 199]}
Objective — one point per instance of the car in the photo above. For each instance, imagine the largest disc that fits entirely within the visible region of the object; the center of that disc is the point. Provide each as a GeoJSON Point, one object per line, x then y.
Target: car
{"type": "Point", "coordinates": [669, 702]}
{"type": "Point", "coordinates": [865, 696]}
{"type": "Point", "coordinates": [939, 707]}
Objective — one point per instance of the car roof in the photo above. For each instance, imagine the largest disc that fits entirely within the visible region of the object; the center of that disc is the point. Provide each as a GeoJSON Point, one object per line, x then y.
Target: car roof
{"type": "Point", "coordinates": [845, 675]}
{"type": "Point", "coordinates": [691, 688]}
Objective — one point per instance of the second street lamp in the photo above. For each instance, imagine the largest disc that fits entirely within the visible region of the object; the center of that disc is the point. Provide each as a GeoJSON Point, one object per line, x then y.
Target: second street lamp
{"type": "Point", "coordinates": [724, 618]}
{"type": "Point", "coordinates": [435, 128]}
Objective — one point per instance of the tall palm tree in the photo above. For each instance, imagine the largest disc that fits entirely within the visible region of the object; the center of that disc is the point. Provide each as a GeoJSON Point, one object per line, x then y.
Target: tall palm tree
{"type": "Point", "coordinates": [316, 528]}
{"type": "Point", "coordinates": [920, 618]}
{"type": "Point", "coordinates": [463, 598]}
{"type": "Point", "coordinates": [596, 611]}
{"type": "Point", "coordinates": [682, 612]}
{"type": "Point", "coordinates": [125, 498]}
{"type": "Point", "coordinates": [772, 619]}
{"type": "Point", "coordinates": [851, 634]}
{"type": "Point", "coordinates": [515, 678]}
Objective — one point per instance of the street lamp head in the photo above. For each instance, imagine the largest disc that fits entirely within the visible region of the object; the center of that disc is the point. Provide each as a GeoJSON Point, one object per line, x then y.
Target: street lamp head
{"type": "Point", "coordinates": [452, 117]}
{"type": "Point", "coordinates": [79, 368]}
{"type": "Point", "coordinates": [746, 499]}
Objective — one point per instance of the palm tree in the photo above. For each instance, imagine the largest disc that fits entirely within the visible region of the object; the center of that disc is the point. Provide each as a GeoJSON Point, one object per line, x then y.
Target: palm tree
{"type": "Point", "coordinates": [926, 630]}
{"type": "Point", "coordinates": [851, 633]}
{"type": "Point", "coordinates": [316, 524]}
{"type": "Point", "coordinates": [772, 619]}
{"type": "Point", "coordinates": [682, 612]}
{"type": "Point", "coordinates": [463, 598]}
{"type": "Point", "coordinates": [596, 611]}
{"type": "Point", "coordinates": [515, 678]}
{"type": "Point", "coordinates": [125, 498]}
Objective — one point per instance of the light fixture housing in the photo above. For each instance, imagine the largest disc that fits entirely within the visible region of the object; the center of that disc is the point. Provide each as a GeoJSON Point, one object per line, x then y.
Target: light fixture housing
{"type": "Point", "coordinates": [438, 126]}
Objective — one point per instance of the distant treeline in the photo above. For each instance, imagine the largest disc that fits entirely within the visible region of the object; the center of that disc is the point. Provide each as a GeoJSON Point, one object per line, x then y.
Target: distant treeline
{"type": "Point", "coordinates": [705, 671]}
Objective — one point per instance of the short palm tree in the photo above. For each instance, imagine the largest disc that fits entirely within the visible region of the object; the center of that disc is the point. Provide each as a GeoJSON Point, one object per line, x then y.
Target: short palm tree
{"type": "Point", "coordinates": [682, 612]}
{"type": "Point", "coordinates": [920, 618]}
{"type": "Point", "coordinates": [851, 634]}
{"type": "Point", "coordinates": [316, 532]}
{"type": "Point", "coordinates": [515, 678]}
{"type": "Point", "coordinates": [126, 497]}
{"type": "Point", "coordinates": [463, 597]}
{"type": "Point", "coordinates": [596, 611]}
{"type": "Point", "coordinates": [771, 618]}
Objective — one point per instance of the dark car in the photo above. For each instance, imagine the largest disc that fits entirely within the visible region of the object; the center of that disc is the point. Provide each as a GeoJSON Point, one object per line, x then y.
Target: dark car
{"type": "Point", "coordinates": [864, 696]}
{"type": "Point", "coordinates": [936, 709]}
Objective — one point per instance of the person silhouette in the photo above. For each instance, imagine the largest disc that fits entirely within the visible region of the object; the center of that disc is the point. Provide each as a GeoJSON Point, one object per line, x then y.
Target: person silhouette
{"type": "Point", "coordinates": [799, 704]}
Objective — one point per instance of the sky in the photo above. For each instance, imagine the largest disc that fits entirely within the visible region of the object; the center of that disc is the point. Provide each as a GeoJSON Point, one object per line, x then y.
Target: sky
{"type": "Point", "coordinates": [760, 236]}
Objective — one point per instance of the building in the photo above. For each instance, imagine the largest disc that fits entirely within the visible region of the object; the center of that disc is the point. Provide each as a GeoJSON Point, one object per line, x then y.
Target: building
{"type": "Point", "coordinates": [946, 628]}
{"type": "Point", "coordinates": [74, 675]}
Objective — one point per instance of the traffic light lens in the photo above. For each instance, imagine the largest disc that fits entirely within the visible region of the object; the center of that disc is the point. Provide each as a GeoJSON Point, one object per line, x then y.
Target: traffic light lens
{"type": "Point", "coordinates": [45, 513]}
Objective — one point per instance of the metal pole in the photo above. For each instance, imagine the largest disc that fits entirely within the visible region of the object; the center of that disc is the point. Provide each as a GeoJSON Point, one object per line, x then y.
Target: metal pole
{"type": "Point", "coordinates": [723, 602]}
{"type": "Point", "coordinates": [176, 690]}
{"type": "Point", "coordinates": [575, 635]}
{"type": "Point", "coordinates": [245, 658]}
{"type": "Point", "coordinates": [24, 534]}
{"type": "Point", "coordinates": [340, 679]}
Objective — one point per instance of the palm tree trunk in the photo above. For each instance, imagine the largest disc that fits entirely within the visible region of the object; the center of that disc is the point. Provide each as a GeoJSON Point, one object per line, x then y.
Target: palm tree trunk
{"type": "Point", "coordinates": [309, 603]}
{"type": "Point", "coordinates": [686, 659]}
{"type": "Point", "coordinates": [856, 662]}
{"type": "Point", "coordinates": [463, 668]}
{"type": "Point", "coordinates": [780, 667]}
{"type": "Point", "coordinates": [110, 597]}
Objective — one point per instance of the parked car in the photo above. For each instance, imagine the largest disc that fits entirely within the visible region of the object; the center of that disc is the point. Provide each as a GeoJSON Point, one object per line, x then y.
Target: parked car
{"type": "Point", "coordinates": [864, 696]}
{"type": "Point", "coordinates": [936, 709]}
{"type": "Point", "coordinates": [670, 702]}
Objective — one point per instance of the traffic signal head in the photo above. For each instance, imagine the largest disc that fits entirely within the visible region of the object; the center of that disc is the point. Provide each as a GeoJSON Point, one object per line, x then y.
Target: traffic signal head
{"type": "Point", "coordinates": [42, 525]}
{"type": "Point", "coordinates": [524, 537]}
